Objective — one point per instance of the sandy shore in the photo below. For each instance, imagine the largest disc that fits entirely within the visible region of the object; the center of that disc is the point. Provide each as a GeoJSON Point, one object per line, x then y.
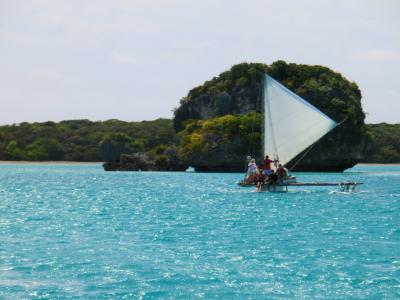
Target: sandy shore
{"type": "Point", "coordinates": [23, 162]}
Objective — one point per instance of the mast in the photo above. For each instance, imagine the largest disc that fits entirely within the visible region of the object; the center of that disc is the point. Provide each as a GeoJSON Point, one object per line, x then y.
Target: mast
{"type": "Point", "coordinates": [263, 87]}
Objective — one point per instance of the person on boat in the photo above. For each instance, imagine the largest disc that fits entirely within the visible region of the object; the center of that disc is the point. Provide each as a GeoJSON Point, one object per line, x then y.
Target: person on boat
{"type": "Point", "coordinates": [259, 180]}
{"type": "Point", "coordinates": [272, 179]}
{"type": "Point", "coordinates": [267, 165]}
{"type": "Point", "coordinates": [252, 170]}
{"type": "Point", "coordinates": [281, 172]}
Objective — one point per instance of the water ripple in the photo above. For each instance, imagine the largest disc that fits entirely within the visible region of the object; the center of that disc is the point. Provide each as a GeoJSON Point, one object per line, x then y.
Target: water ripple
{"type": "Point", "coordinates": [79, 232]}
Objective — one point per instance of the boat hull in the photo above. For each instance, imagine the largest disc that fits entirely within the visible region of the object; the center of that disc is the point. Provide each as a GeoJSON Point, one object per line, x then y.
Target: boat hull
{"type": "Point", "coordinates": [274, 188]}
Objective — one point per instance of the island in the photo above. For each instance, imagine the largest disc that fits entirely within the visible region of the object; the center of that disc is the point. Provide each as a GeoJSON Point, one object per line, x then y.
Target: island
{"type": "Point", "coordinates": [214, 128]}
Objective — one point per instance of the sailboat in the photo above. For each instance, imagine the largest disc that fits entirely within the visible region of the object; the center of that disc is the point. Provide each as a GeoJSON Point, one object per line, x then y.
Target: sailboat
{"type": "Point", "coordinates": [290, 126]}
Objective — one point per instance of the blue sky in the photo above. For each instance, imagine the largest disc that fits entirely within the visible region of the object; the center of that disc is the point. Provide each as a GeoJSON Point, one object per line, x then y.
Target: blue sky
{"type": "Point", "coordinates": [134, 60]}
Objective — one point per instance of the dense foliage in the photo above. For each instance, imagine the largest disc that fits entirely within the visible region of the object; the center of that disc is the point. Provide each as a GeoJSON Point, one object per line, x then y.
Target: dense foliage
{"type": "Point", "coordinates": [83, 140]}
{"type": "Point", "coordinates": [240, 135]}
{"type": "Point", "coordinates": [239, 91]}
{"type": "Point", "coordinates": [322, 87]}
{"type": "Point", "coordinates": [327, 90]}
{"type": "Point", "coordinates": [385, 146]}
{"type": "Point", "coordinates": [218, 124]}
{"type": "Point", "coordinates": [238, 76]}
{"type": "Point", "coordinates": [223, 95]}
{"type": "Point", "coordinates": [225, 139]}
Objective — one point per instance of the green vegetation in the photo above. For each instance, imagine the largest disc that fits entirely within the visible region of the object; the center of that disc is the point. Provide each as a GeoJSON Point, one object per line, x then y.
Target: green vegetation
{"type": "Point", "coordinates": [83, 140]}
{"type": "Point", "coordinates": [239, 91]}
{"type": "Point", "coordinates": [327, 90]}
{"type": "Point", "coordinates": [115, 144]}
{"type": "Point", "coordinates": [233, 92]}
{"type": "Point", "coordinates": [385, 146]}
{"type": "Point", "coordinates": [226, 138]}
{"type": "Point", "coordinates": [203, 140]}
{"type": "Point", "coordinates": [218, 123]}
{"type": "Point", "coordinates": [238, 76]}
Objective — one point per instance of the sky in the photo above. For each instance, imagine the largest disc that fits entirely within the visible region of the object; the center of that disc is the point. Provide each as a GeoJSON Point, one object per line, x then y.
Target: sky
{"type": "Point", "coordinates": [134, 60]}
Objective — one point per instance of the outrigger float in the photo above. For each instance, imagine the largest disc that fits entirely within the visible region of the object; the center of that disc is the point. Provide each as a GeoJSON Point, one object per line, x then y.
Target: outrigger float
{"type": "Point", "coordinates": [292, 125]}
{"type": "Point", "coordinates": [283, 187]}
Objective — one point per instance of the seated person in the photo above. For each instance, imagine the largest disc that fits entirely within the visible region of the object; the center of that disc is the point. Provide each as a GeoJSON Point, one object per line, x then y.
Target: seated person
{"type": "Point", "coordinates": [272, 179]}
{"type": "Point", "coordinates": [281, 172]}
{"type": "Point", "coordinates": [259, 180]}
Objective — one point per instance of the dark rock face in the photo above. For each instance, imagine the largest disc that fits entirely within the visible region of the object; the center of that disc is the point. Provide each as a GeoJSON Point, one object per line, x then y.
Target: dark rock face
{"type": "Point", "coordinates": [327, 90]}
{"type": "Point", "coordinates": [143, 162]}
{"type": "Point", "coordinates": [239, 101]}
{"type": "Point", "coordinates": [329, 156]}
{"type": "Point", "coordinates": [223, 157]}
{"type": "Point", "coordinates": [134, 162]}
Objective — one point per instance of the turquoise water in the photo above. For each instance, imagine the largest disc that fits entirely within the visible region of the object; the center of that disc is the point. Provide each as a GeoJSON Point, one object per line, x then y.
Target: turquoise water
{"type": "Point", "coordinates": [79, 232]}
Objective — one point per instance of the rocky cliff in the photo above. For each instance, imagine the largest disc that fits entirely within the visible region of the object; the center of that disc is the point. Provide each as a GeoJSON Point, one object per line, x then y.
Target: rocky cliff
{"type": "Point", "coordinates": [238, 92]}
{"type": "Point", "coordinates": [234, 92]}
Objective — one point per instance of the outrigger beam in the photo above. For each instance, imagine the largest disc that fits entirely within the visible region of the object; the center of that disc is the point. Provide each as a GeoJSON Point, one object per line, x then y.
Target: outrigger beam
{"type": "Point", "coordinates": [339, 184]}
{"type": "Point", "coordinates": [323, 184]}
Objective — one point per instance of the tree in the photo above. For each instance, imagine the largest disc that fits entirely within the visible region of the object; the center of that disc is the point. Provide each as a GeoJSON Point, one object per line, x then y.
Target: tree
{"type": "Point", "coordinates": [45, 149]}
{"type": "Point", "coordinates": [113, 145]}
{"type": "Point", "coordinates": [13, 151]}
{"type": "Point", "coordinates": [79, 140]}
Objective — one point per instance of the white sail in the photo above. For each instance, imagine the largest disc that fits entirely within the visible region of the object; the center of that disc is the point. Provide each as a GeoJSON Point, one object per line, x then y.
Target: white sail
{"type": "Point", "coordinates": [291, 124]}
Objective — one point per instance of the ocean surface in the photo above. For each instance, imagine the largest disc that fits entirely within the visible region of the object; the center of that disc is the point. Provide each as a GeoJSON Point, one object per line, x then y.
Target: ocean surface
{"type": "Point", "coordinates": [79, 232]}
